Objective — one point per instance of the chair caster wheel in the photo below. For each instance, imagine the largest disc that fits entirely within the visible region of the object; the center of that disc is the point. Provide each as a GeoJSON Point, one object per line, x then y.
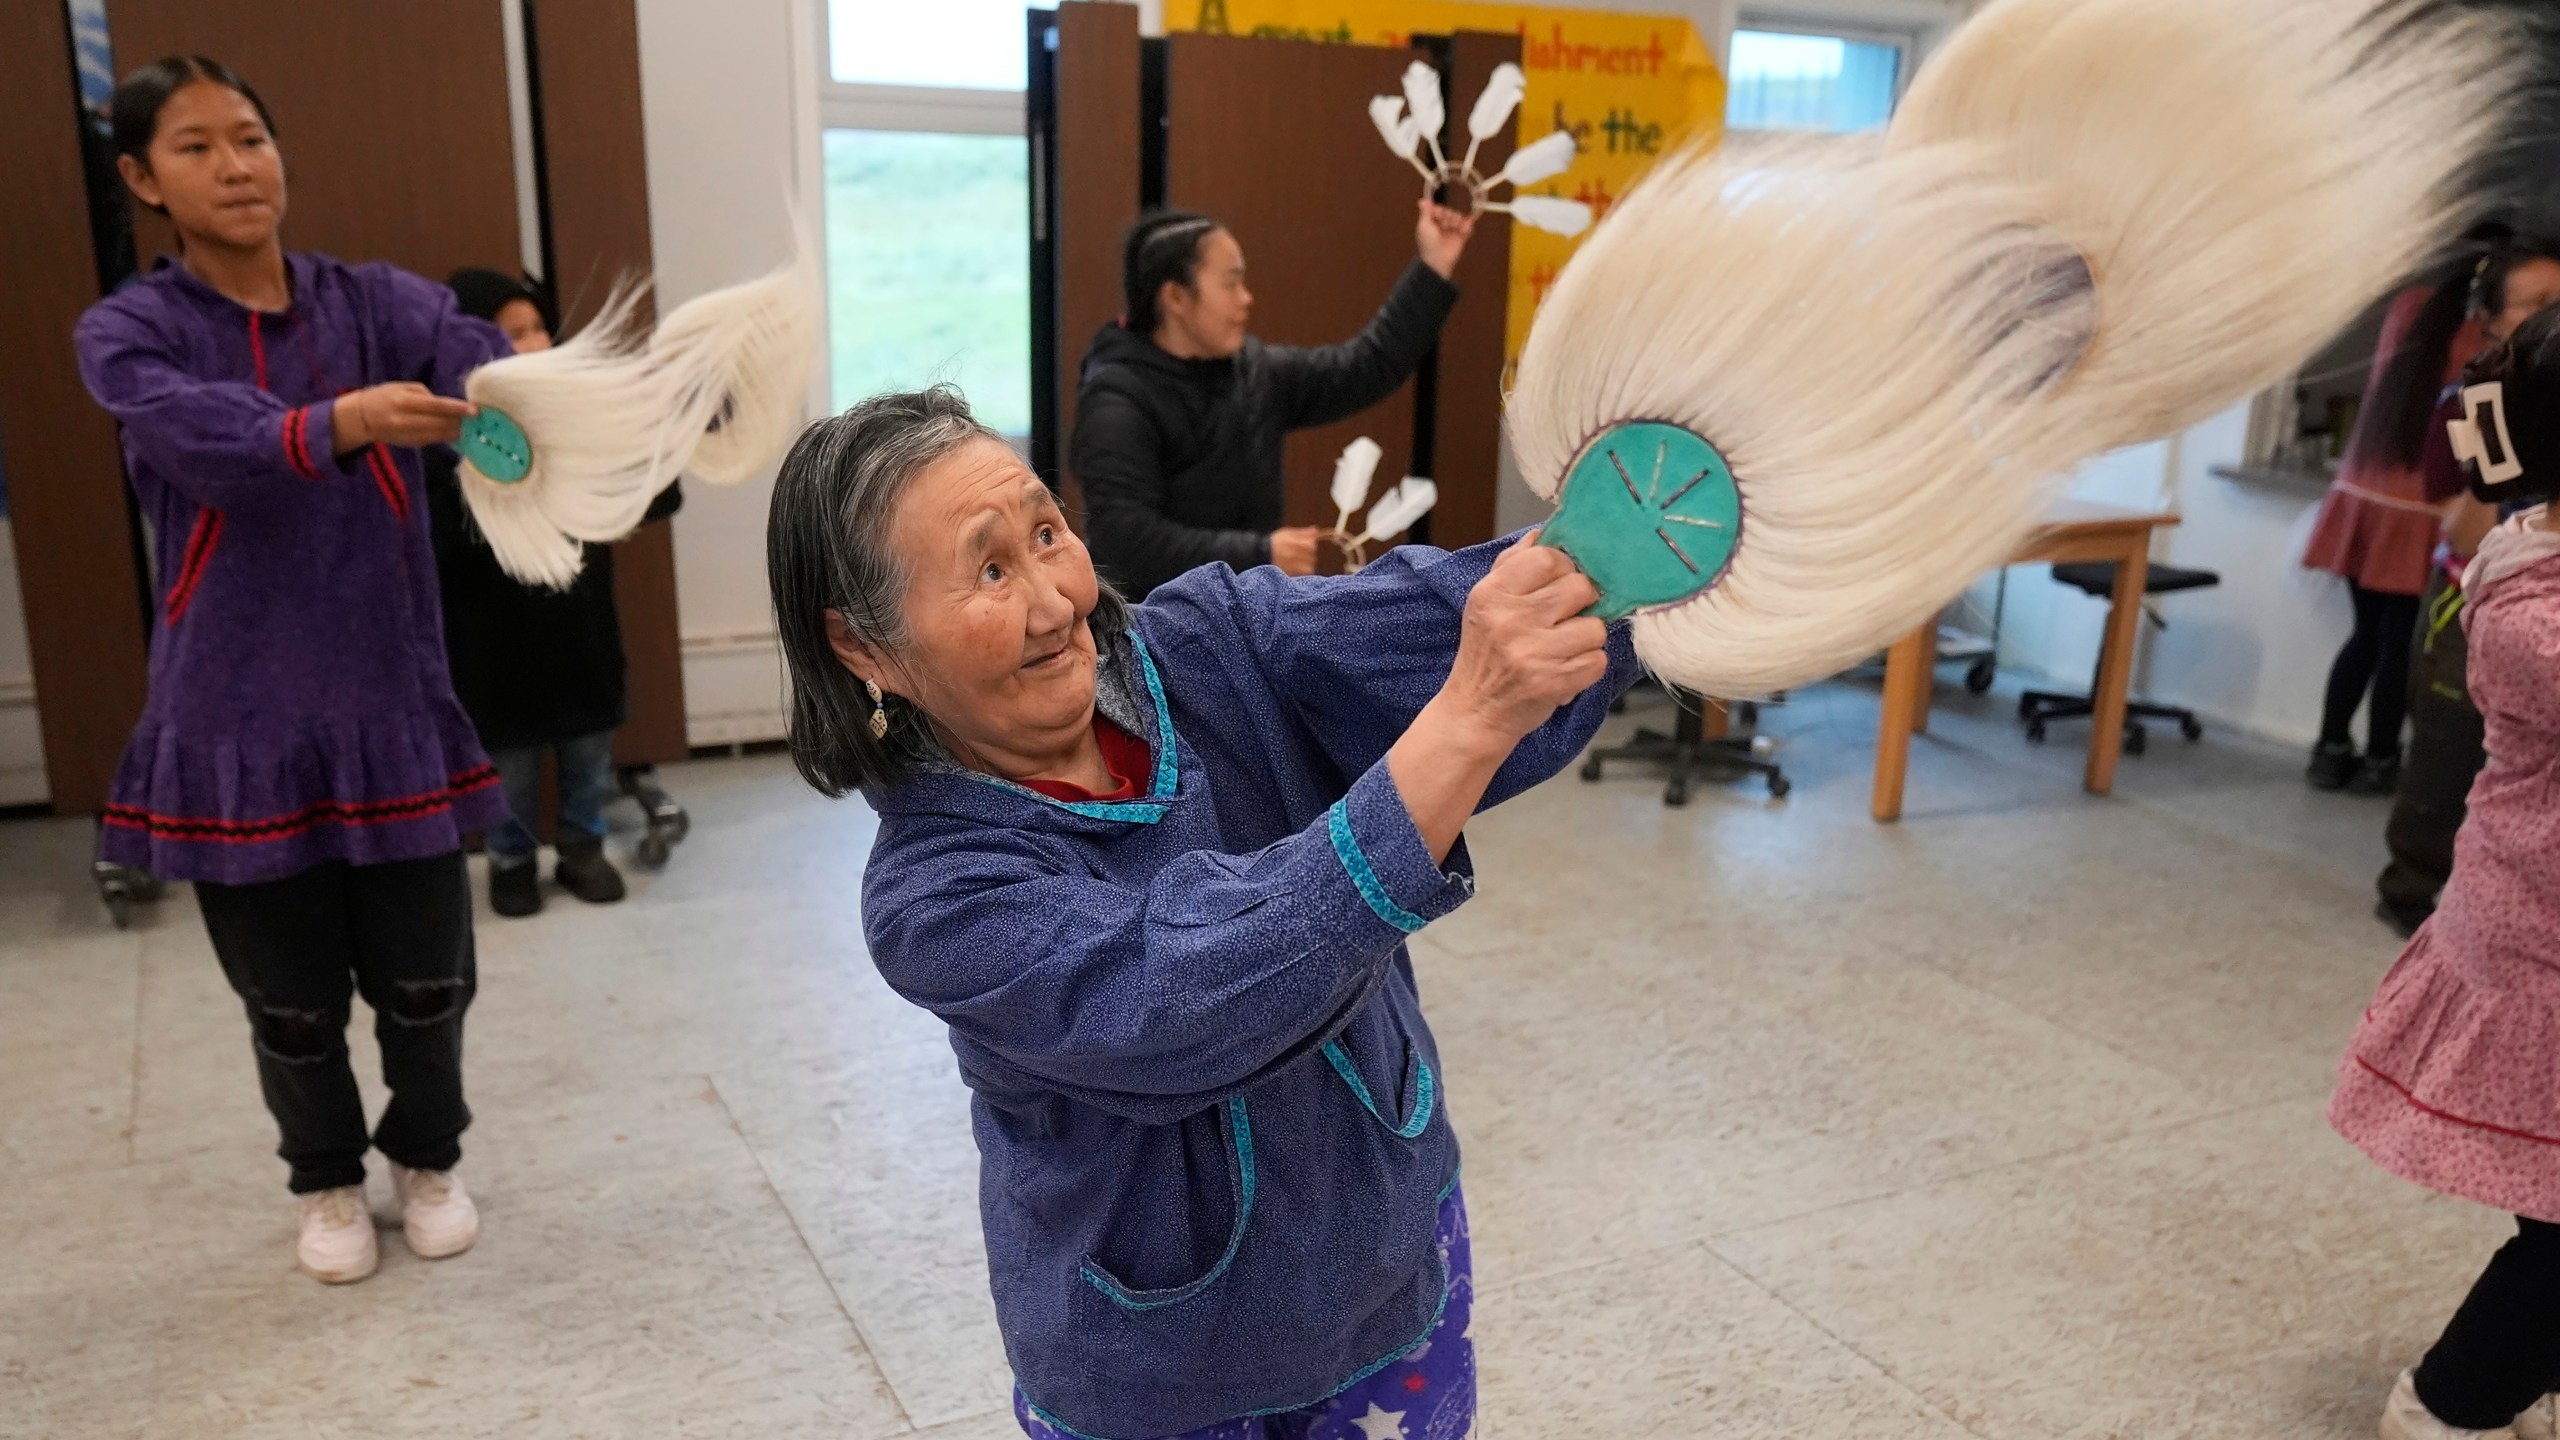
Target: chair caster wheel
{"type": "Point", "coordinates": [1978, 678]}
{"type": "Point", "coordinates": [2191, 727]}
{"type": "Point", "coordinates": [1676, 793]}
{"type": "Point", "coordinates": [1591, 769]}
{"type": "Point", "coordinates": [1779, 785]}
{"type": "Point", "coordinates": [2136, 740]}
{"type": "Point", "coordinates": [2026, 707]}
{"type": "Point", "coordinates": [2035, 731]}
{"type": "Point", "coordinates": [653, 849]}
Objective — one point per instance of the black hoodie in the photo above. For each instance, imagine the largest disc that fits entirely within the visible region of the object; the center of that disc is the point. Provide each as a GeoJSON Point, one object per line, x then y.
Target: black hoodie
{"type": "Point", "coordinates": [1180, 459]}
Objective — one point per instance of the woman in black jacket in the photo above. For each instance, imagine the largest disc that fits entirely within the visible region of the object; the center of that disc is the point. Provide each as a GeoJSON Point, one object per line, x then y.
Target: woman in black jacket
{"type": "Point", "coordinates": [538, 669]}
{"type": "Point", "coordinates": [1181, 412]}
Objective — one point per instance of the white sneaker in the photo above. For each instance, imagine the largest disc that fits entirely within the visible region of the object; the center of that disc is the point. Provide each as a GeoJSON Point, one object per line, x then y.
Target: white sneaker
{"type": "Point", "coordinates": [2541, 1420]}
{"type": "Point", "coordinates": [337, 1245]}
{"type": "Point", "coordinates": [435, 1212]}
{"type": "Point", "coordinates": [2405, 1417]}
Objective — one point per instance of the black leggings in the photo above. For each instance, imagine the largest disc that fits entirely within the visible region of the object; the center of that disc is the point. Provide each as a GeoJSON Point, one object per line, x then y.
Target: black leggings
{"type": "Point", "coordinates": [297, 950]}
{"type": "Point", "coordinates": [2501, 1351]}
{"type": "Point", "coordinates": [2375, 659]}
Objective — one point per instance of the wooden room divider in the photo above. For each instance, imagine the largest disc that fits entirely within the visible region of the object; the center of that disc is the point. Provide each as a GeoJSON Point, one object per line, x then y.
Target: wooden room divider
{"type": "Point", "coordinates": [1273, 138]}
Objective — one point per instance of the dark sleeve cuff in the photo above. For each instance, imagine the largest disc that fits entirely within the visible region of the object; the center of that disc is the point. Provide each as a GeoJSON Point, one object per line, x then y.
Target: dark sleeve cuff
{"type": "Point", "coordinates": [1424, 285]}
{"type": "Point", "coordinates": [1375, 839]}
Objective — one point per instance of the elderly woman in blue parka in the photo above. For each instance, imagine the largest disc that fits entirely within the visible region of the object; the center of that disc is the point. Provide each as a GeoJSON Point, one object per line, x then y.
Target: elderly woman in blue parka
{"type": "Point", "coordinates": [1155, 867]}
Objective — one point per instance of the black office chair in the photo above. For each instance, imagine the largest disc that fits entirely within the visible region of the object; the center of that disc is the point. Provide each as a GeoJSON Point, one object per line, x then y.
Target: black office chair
{"type": "Point", "coordinates": [1688, 749]}
{"type": "Point", "coordinates": [2098, 577]}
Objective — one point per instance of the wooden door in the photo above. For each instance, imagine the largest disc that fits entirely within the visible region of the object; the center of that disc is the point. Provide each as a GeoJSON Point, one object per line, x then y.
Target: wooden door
{"type": "Point", "coordinates": [595, 176]}
{"type": "Point", "coordinates": [1466, 400]}
{"type": "Point", "coordinates": [392, 119]}
{"type": "Point", "coordinates": [1085, 197]}
{"type": "Point", "coordinates": [1273, 138]}
{"type": "Point", "coordinates": [66, 479]}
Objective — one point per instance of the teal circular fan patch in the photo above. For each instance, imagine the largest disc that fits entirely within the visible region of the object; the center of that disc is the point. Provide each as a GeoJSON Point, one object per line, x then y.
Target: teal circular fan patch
{"type": "Point", "coordinates": [1650, 512]}
{"type": "Point", "coordinates": [496, 446]}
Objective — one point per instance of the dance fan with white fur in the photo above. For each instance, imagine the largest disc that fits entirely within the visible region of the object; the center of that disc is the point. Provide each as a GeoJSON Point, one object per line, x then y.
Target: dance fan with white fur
{"type": "Point", "coordinates": [1793, 396]}
{"type": "Point", "coordinates": [1411, 124]}
{"type": "Point", "coordinates": [571, 444]}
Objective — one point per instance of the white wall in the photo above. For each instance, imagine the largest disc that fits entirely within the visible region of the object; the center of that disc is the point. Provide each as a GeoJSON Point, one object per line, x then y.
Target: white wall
{"type": "Point", "coordinates": [729, 95]}
{"type": "Point", "coordinates": [2251, 654]}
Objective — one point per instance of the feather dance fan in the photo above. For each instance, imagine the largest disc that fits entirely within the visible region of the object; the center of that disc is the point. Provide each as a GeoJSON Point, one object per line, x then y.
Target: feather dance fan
{"type": "Point", "coordinates": [1793, 396]}
{"type": "Point", "coordinates": [571, 444]}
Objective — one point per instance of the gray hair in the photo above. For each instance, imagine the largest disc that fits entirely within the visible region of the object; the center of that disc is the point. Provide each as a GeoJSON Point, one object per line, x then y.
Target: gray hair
{"type": "Point", "coordinates": [827, 548]}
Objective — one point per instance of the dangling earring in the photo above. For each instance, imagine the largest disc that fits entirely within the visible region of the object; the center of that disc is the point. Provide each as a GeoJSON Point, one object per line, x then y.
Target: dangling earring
{"type": "Point", "coordinates": [879, 711]}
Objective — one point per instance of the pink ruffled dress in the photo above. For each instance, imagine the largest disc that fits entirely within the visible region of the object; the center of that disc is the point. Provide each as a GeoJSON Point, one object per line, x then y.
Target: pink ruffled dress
{"type": "Point", "coordinates": [2454, 1077]}
{"type": "Point", "coordinates": [2377, 525]}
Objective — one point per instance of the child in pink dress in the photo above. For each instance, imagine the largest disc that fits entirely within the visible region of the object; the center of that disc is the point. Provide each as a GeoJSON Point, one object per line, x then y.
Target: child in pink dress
{"type": "Point", "coordinates": [2454, 1077]}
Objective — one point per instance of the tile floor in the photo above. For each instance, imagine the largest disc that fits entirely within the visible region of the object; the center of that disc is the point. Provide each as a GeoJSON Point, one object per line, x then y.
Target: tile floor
{"type": "Point", "coordinates": [2003, 1122]}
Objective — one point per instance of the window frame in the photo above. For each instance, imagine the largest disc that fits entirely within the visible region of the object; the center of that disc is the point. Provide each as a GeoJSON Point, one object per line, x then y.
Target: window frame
{"type": "Point", "coordinates": [907, 109]}
{"type": "Point", "coordinates": [945, 109]}
{"type": "Point", "coordinates": [1905, 43]}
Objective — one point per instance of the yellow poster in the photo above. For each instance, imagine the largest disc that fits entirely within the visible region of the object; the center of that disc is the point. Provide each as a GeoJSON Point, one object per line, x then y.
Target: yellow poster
{"type": "Point", "coordinates": [1630, 87]}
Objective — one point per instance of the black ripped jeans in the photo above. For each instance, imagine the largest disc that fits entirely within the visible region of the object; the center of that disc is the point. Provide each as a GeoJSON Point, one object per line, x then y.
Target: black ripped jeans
{"type": "Point", "coordinates": [298, 949]}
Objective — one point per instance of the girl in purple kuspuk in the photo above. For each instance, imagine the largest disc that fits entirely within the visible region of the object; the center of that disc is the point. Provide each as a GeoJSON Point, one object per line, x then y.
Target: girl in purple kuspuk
{"type": "Point", "coordinates": [301, 757]}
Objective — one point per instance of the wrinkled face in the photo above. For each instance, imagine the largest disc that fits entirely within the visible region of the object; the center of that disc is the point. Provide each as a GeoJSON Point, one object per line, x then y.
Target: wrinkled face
{"type": "Point", "coordinates": [2532, 287]}
{"type": "Point", "coordinates": [522, 322]}
{"type": "Point", "coordinates": [999, 654]}
{"type": "Point", "coordinates": [213, 167]}
{"type": "Point", "coordinates": [1210, 315]}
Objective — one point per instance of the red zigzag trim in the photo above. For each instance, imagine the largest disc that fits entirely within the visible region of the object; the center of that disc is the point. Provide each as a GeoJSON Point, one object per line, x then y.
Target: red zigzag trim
{"type": "Point", "coordinates": [310, 817]}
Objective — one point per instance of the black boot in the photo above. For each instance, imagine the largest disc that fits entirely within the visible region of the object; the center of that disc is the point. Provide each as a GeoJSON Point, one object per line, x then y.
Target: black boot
{"type": "Point", "coordinates": [2333, 764]}
{"type": "Point", "coordinates": [515, 890]}
{"type": "Point", "coordinates": [584, 872]}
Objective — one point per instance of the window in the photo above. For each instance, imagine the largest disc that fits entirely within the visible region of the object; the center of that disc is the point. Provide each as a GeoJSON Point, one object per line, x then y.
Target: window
{"type": "Point", "coordinates": [954, 44]}
{"type": "Point", "coordinates": [928, 270]}
{"type": "Point", "coordinates": [928, 202]}
{"type": "Point", "coordinates": [1789, 80]}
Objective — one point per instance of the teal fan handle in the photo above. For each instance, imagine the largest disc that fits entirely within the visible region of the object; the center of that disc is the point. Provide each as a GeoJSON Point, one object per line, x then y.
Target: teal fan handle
{"type": "Point", "coordinates": [496, 445]}
{"type": "Point", "coordinates": [1651, 513]}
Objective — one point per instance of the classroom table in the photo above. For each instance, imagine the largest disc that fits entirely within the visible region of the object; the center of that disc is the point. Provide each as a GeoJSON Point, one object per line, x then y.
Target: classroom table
{"type": "Point", "coordinates": [2076, 531]}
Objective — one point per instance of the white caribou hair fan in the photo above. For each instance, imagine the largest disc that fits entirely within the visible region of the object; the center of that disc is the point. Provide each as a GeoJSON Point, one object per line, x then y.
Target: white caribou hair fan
{"type": "Point", "coordinates": [1794, 396]}
{"type": "Point", "coordinates": [571, 444]}
{"type": "Point", "coordinates": [1411, 123]}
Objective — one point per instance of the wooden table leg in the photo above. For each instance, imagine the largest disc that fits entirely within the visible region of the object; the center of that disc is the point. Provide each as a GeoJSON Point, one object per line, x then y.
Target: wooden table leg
{"type": "Point", "coordinates": [1906, 671]}
{"type": "Point", "coordinates": [1718, 720]}
{"type": "Point", "coordinates": [2115, 680]}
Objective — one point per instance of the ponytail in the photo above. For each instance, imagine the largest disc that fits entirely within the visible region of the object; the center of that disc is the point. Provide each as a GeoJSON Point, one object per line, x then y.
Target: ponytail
{"type": "Point", "coordinates": [1163, 246]}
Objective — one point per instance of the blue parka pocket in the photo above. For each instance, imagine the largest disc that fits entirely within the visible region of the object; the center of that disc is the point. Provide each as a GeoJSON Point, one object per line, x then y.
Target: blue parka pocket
{"type": "Point", "coordinates": [1146, 1249]}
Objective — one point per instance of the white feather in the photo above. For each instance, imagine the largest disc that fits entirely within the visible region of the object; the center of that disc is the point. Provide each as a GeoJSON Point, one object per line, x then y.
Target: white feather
{"type": "Point", "coordinates": [1352, 472]}
{"type": "Point", "coordinates": [1542, 160]}
{"type": "Point", "coordinates": [1422, 93]}
{"type": "Point", "coordinates": [1387, 113]}
{"type": "Point", "coordinates": [1398, 509]}
{"type": "Point", "coordinates": [2097, 221]}
{"type": "Point", "coordinates": [614, 416]}
{"type": "Point", "coordinates": [1501, 96]}
{"type": "Point", "coordinates": [1549, 213]}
